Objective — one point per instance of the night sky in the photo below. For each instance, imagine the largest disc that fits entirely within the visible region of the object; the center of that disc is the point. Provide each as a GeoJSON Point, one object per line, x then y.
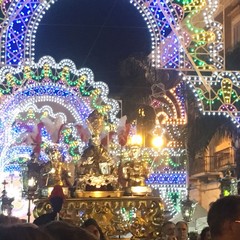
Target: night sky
{"type": "Point", "coordinates": [97, 34]}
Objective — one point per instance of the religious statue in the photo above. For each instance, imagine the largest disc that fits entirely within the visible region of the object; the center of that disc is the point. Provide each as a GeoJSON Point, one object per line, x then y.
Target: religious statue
{"type": "Point", "coordinates": [56, 170]}
{"type": "Point", "coordinates": [135, 173]}
{"type": "Point", "coordinates": [96, 167]}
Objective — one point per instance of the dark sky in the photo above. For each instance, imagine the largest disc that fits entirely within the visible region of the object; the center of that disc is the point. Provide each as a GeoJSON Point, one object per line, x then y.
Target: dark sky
{"type": "Point", "coordinates": [97, 34]}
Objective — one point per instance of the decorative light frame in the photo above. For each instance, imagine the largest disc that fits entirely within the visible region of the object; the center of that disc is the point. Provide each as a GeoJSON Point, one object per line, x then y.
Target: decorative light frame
{"type": "Point", "coordinates": [46, 81]}
{"type": "Point", "coordinates": [177, 41]}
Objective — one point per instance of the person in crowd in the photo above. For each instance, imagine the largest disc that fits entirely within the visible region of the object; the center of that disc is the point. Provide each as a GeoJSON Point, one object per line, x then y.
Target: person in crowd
{"type": "Point", "coordinates": [56, 200]}
{"type": "Point", "coordinates": [224, 218]}
{"type": "Point", "coordinates": [7, 220]}
{"type": "Point", "coordinates": [193, 236]}
{"type": "Point", "coordinates": [60, 230]}
{"type": "Point", "coordinates": [205, 234]}
{"type": "Point", "coordinates": [168, 231]}
{"type": "Point", "coordinates": [181, 230]}
{"type": "Point", "coordinates": [22, 232]}
{"type": "Point", "coordinates": [92, 226]}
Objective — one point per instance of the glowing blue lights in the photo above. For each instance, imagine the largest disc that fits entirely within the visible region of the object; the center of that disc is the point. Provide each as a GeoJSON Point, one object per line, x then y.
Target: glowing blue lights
{"type": "Point", "coordinates": [168, 178]}
{"type": "Point", "coordinates": [11, 168]}
{"type": "Point", "coordinates": [18, 41]}
{"type": "Point", "coordinates": [42, 93]}
{"type": "Point", "coordinates": [160, 19]}
{"type": "Point", "coordinates": [17, 30]}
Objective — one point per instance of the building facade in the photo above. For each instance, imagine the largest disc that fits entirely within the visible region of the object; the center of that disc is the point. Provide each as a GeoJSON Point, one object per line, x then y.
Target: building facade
{"type": "Point", "coordinates": [222, 155]}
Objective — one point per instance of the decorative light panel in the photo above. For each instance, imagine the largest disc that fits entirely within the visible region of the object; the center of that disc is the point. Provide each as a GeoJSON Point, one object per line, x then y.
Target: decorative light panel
{"type": "Point", "coordinates": [47, 82]}
{"type": "Point", "coordinates": [172, 188]}
{"type": "Point", "coordinates": [26, 84]}
{"type": "Point", "coordinates": [164, 20]}
{"type": "Point", "coordinates": [222, 98]}
{"type": "Point", "coordinates": [170, 110]}
{"type": "Point", "coordinates": [177, 41]}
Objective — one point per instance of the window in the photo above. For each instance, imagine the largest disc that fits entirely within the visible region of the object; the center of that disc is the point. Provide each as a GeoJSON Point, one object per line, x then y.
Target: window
{"type": "Point", "coordinates": [235, 25]}
{"type": "Point", "coordinates": [236, 33]}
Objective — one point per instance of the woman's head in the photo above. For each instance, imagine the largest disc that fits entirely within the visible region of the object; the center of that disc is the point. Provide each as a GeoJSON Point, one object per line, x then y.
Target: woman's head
{"type": "Point", "coordinates": [205, 234]}
{"type": "Point", "coordinates": [92, 226]}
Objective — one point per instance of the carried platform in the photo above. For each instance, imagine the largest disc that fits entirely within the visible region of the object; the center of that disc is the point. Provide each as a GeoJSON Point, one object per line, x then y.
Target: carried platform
{"type": "Point", "coordinates": [127, 217]}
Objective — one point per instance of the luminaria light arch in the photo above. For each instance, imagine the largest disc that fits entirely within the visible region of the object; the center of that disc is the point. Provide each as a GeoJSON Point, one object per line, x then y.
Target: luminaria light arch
{"type": "Point", "coordinates": [48, 82]}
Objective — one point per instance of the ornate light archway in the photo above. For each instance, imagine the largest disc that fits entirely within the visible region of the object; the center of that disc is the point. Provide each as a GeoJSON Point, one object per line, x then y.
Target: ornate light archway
{"type": "Point", "coordinates": [72, 93]}
{"type": "Point", "coordinates": [184, 35]}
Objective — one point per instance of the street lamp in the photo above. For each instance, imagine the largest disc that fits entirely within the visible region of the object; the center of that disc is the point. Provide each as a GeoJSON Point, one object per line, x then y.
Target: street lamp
{"type": "Point", "coordinates": [158, 135]}
{"type": "Point", "coordinates": [187, 209]}
{"type": "Point", "coordinates": [30, 196]}
{"type": "Point", "coordinates": [188, 206]}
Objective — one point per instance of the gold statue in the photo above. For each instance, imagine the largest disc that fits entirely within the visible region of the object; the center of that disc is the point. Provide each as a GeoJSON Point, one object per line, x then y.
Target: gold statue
{"type": "Point", "coordinates": [55, 169]}
{"type": "Point", "coordinates": [135, 173]}
{"type": "Point", "coordinates": [96, 167]}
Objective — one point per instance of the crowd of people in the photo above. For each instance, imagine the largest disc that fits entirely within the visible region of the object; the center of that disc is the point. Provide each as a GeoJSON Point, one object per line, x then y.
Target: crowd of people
{"type": "Point", "coordinates": [223, 220]}
{"type": "Point", "coordinates": [12, 228]}
{"type": "Point", "coordinates": [49, 226]}
{"type": "Point", "coordinates": [179, 231]}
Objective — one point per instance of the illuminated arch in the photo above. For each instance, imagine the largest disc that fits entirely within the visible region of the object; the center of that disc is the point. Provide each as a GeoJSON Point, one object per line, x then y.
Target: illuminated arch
{"type": "Point", "coordinates": [47, 82]}
{"type": "Point", "coordinates": [163, 18]}
{"type": "Point", "coordinates": [170, 110]}
{"type": "Point", "coordinates": [177, 40]}
{"type": "Point", "coordinates": [21, 22]}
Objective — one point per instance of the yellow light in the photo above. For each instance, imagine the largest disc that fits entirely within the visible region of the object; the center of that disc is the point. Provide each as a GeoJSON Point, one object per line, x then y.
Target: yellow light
{"type": "Point", "coordinates": [136, 140]}
{"type": "Point", "coordinates": [157, 141]}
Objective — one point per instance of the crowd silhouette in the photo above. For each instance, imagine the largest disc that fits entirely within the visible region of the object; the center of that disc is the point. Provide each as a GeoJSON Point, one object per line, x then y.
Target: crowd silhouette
{"type": "Point", "coordinates": [223, 220]}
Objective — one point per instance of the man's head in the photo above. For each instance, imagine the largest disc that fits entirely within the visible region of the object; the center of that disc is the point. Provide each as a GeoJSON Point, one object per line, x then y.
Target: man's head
{"type": "Point", "coordinates": [168, 229]}
{"type": "Point", "coordinates": [181, 230]}
{"type": "Point", "coordinates": [224, 218]}
{"type": "Point", "coordinates": [92, 226]}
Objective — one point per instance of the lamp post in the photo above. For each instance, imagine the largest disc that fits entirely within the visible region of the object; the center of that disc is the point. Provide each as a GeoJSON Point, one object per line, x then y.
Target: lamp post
{"type": "Point", "coordinates": [188, 206]}
{"type": "Point", "coordinates": [187, 209]}
{"type": "Point", "coordinates": [30, 196]}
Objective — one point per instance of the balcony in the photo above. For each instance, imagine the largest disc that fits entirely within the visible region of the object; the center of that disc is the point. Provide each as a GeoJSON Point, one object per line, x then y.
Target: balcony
{"type": "Point", "coordinates": [212, 165]}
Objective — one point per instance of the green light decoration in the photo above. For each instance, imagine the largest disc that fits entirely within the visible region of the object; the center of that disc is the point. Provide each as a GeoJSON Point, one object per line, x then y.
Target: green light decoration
{"type": "Point", "coordinates": [228, 184]}
{"type": "Point", "coordinates": [183, 2]}
{"type": "Point", "coordinates": [222, 94]}
{"type": "Point", "coordinates": [64, 75]}
{"type": "Point", "coordinates": [174, 197]}
{"type": "Point", "coordinates": [173, 164]}
{"type": "Point", "coordinates": [226, 193]}
{"type": "Point", "coordinates": [199, 37]}
{"type": "Point", "coordinates": [73, 144]}
{"type": "Point", "coordinates": [131, 215]}
{"type": "Point", "coordinates": [163, 160]}
{"type": "Point", "coordinates": [46, 72]}
{"type": "Point", "coordinates": [82, 86]}
{"type": "Point", "coordinates": [19, 160]}
{"type": "Point", "coordinates": [31, 114]}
